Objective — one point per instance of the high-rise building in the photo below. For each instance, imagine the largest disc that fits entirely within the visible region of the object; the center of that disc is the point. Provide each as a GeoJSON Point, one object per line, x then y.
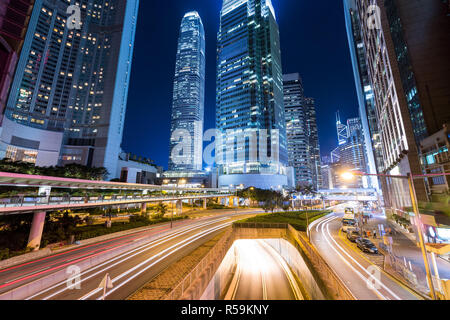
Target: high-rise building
{"type": "Point", "coordinates": [302, 133]}
{"type": "Point", "coordinates": [352, 152]}
{"type": "Point", "coordinates": [366, 99]}
{"type": "Point", "coordinates": [313, 144]}
{"type": "Point", "coordinates": [188, 96]}
{"type": "Point", "coordinates": [68, 97]}
{"type": "Point", "coordinates": [408, 73]}
{"type": "Point", "coordinates": [252, 146]}
{"type": "Point", "coordinates": [14, 18]}
{"type": "Point", "coordinates": [342, 130]}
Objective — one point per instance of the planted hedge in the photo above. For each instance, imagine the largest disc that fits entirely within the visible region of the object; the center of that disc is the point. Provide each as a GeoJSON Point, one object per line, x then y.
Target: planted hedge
{"type": "Point", "coordinates": [297, 219]}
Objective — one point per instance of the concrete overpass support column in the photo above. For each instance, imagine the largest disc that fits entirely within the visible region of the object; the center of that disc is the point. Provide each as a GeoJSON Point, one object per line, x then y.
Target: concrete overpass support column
{"type": "Point", "coordinates": [37, 227]}
{"type": "Point", "coordinates": [144, 208]}
{"type": "Point", "coordinates": [179, 207]}
{"type": "Point", "coordinates": [205, 201]}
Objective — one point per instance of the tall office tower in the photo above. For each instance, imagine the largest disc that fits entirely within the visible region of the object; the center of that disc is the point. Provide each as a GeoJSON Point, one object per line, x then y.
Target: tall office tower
{"type": "Point", "coordinates": [302, 134]}
{"type": "Point", "coordinates": [366, 99]}
{"type": "Point", "coordinates": [313, 143]}
{"type": "Point", "coordinates": [188, 96]}
{"type": "Point", "coordinates": [352, 152]}
{"type": "Point", "coordinates": [14, 17]}
{"type": "Point", "coordinates": [68, 98]}
{"type": "Point", "coordinates": [342, 130]}
{"type": "Point", "coordinates": [408, 72]}
{"type": "Point", "coordinates": [252, 146]}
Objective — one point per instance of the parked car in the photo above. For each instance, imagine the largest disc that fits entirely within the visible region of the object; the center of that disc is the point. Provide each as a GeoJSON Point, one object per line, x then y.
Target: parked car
{"type": "Point", "coordinates": [366, 245]}
{"type": "Point", "coordinates": [353, 235]}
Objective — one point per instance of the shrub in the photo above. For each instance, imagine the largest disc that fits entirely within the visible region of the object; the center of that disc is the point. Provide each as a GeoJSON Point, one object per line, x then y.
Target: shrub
{"type": "Point", "coordinates": [4, 254]}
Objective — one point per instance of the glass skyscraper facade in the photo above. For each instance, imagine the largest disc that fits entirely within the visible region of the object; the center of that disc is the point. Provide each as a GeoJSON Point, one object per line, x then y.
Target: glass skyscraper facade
{"type": "Point", "coordinates": [14, 17]}
{"type": "Point", "coordinates": [251, 149]}
{"type": "Point", "coordinates": [188, 96]}
{"type": "Point", "coordinates": [392, 63]}
{"type": "Point", "coordinates": [302, 133]}
{"type": "Point", "coordinates": [68, 98]}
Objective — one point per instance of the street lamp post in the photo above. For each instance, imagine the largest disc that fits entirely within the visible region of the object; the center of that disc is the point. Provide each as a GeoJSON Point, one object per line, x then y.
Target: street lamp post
{"type": "Point", "coordinates": [412, 192]}
{"type": "Point", "coordinates": [171, 218]}
{"type": "Point", "coordinates": [307, 226]}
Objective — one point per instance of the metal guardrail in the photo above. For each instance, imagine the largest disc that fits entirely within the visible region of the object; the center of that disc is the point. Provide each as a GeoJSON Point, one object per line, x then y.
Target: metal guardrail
{"type": "Point", "coordinates": [108, 200]}
{"type": "Point", "coordinates": [260, 225]}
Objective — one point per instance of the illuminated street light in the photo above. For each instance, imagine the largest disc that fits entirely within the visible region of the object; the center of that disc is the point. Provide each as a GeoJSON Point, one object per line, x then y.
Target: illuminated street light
{"type": "Point", "coordinates": [347, 175]}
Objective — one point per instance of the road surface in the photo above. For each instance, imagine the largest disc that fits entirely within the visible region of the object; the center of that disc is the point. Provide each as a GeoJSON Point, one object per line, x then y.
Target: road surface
{"type": "Point", "coordinates": [365, 280]}
{"type": "Point", "coordinates": [132, 261]}
{"type": "Point", "coordinates": [261, 274]}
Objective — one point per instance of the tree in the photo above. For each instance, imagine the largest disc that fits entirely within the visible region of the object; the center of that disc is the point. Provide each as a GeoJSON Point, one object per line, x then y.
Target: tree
{"type": "Point", "coordinates": [72, 170]}
{"type": "Point", "coordinates": [161, 210]}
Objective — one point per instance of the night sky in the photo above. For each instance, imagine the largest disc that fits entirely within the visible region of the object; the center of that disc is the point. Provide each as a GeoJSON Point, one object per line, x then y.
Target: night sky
{"type": "Point", "coordinates": [313, 43]}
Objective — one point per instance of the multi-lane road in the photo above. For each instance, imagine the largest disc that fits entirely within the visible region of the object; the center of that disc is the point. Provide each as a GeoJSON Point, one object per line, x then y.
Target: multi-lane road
{"type": "Point", "coordinates": [261, 274]}
{"type": "Point", "coordinates": [131, 261]}
{"type": "Point", "coordinates": [362, 277]}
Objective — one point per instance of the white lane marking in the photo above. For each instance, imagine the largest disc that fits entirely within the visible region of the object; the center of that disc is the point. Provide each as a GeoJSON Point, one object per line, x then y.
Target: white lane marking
{"type": "Point", "coordinates": [318, 221]}
{"type": "Point", "coordinates": [347, 262]}
{"type": "Point", "coordinates": [323, 221]}
{"type": "Point", "coordinates": [186, 242]}
{"type": "Point", "coordinates": [362, 268]}
{"type": "Point", "coordinates": [142, 249]}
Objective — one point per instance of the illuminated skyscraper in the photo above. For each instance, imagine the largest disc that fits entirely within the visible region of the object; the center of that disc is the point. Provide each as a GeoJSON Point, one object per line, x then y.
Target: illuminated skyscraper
{"type": "Point", "coordinates": [69, 94]}
{"type": "Point", "coordinates": [302, 133]}
{"type": "Point", "coordinates": [188, 96]}
{"type": "Point", "coordinates": [252, 146]}
{"type": "Point", "coordinates": [401, 70]}
{"type": "Point", "coordinates": [14, 17]}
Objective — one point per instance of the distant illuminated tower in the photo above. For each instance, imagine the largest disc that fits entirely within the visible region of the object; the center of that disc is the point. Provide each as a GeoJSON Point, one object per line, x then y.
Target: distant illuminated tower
{"type": "Point", "coordinates": [250, 97]}
{"type": "Point", "coordinates": [188, 95]}
{"type": "Point", "coordinates": [342, 130]}
{"type": "Point", "coordinates": [302, 133]}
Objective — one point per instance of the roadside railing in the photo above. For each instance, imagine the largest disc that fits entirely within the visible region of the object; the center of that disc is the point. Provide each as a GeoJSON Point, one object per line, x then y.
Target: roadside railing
{"type": "Point", "coordinates": [405, 271]}
{"type": "Point", "coordinates": [17, 202]}
{"type": "Point", "coordinates": [260, 225]}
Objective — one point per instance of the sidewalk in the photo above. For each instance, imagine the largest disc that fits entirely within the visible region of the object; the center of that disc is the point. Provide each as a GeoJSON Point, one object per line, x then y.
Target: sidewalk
{"type": "Point", "coordinates": [405, 247]}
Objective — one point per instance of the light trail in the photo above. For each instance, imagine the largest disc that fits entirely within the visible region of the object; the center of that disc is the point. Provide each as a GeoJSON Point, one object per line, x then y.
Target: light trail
{"type": "Point", "coordinates": [177, 247]}
{"type": "Point", "coordinates": [130, 254]}
{"type": "Point", "coordinates": [339, 249]}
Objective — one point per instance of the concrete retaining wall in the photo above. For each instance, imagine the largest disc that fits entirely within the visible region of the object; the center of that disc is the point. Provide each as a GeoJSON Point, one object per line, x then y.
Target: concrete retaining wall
{"type": "Point", "coordinates": [317, 278]}
{"type": "Point", "coordinates": [297, 264]}
{"type": "Point", "coordinates": [221, 278]}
